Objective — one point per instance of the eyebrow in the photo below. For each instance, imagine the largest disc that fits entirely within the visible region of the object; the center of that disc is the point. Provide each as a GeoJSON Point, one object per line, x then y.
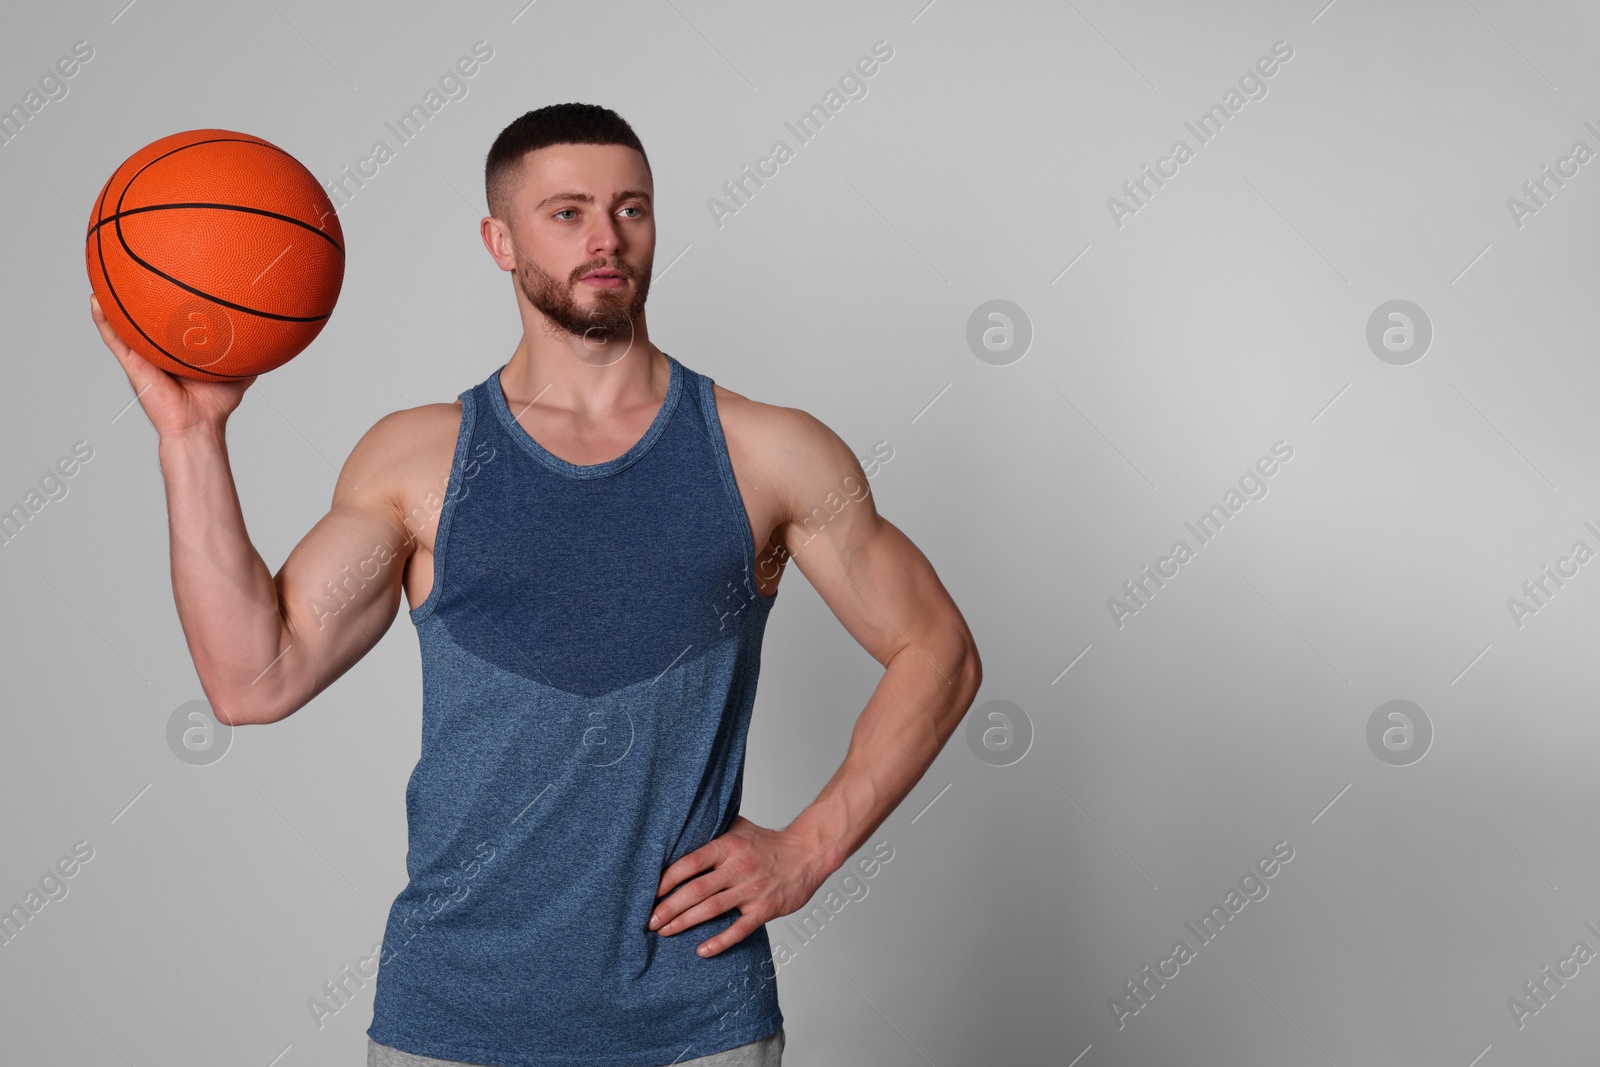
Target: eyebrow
{"type": "Point", "coordinates": [585, 198]}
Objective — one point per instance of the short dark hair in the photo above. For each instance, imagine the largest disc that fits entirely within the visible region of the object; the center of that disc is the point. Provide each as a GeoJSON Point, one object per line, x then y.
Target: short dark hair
{"type": "Point", "coordinates": [553, 124]}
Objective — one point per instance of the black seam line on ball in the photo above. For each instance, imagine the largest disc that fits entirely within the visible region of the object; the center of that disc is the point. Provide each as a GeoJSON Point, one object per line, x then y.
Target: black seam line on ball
{"type": "Point", "coordinates": [213, 140]}
{"type": "Point", "coordinates": [153, 269]}
{"type": "Point", "coordinates": [186, 287]}
{"type": "Point", "coordinates": [220, 207]}
{"type": "Point", "coordinates": [106, 277]}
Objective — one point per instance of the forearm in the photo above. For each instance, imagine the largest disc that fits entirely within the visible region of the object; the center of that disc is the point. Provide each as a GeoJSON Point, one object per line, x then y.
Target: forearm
{"type": "Point", "coordinates": [916, 706]}
{"type": "Point", "coordinates": [226, 598]}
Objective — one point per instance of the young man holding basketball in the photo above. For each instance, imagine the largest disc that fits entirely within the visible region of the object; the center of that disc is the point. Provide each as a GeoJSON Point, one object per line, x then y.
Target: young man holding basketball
{"type": "Point", "coordinates": [590, 591]}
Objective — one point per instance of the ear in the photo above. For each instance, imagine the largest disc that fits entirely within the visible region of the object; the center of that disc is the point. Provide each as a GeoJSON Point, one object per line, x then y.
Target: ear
{"type": "Point", "coordinates": [497, 239]}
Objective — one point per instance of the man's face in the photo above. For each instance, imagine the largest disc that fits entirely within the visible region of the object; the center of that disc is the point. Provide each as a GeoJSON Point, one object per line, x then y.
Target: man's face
{"type": "Point", "coordinates": [584, 237]}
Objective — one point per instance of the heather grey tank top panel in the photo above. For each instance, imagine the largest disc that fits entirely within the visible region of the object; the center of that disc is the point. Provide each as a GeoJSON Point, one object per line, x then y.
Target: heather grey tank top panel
{"type": "Point", "coordinates": [590, 650]}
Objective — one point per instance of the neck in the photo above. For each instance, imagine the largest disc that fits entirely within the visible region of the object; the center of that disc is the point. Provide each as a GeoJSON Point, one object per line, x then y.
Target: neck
{"type": "Point", "coordinates": [554, 369]}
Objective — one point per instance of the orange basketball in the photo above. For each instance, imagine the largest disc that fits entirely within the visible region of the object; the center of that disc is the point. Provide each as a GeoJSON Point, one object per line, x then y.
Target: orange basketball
{"type": "Point", "coordinates": [215, 255]}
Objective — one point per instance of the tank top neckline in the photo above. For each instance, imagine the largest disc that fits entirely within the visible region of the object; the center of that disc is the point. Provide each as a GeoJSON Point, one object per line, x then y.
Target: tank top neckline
{"type": "Point", "coordinates": [497, 400]}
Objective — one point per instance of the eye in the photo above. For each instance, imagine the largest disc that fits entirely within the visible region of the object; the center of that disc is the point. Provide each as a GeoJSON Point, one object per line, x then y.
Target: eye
{"type": "Point", "coordinates": [565, 210]}
{"type": "Point", "coordinates": [638, 209]}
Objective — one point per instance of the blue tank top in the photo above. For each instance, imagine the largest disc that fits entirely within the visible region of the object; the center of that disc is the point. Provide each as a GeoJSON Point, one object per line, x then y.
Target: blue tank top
{"type": "Point", "coordinates": [590, 648]}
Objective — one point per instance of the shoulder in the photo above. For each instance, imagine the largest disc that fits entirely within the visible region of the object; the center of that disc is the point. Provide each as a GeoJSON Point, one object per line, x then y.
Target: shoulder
{"type": "Point", "coordinates": [402, 451]}
{"type": "Point", "coordinates": [417, 427]}
{"type": "Point", "coordinates": [406, 435]}
{"type": "Point", "coordinates": [792, 448]}
{"type": "Point", "coordinates": [770, 426]}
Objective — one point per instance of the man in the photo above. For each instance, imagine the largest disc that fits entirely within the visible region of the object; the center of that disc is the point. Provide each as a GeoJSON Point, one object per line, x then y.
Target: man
{"type": "Point", "coordinates": [590, 541]}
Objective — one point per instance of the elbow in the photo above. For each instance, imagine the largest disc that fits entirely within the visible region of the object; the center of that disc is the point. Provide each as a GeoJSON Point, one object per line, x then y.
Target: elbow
{"type": "Point", "coordinates": [235, 714]}
{"type": "Point", "coordinates": [243, 708]}
{"type": "Point", "coordinates": [971, 669]}
{"type": "Point", "coordinates": [238, 713]}
{"type": "Point", "coordinates": [245, 694]}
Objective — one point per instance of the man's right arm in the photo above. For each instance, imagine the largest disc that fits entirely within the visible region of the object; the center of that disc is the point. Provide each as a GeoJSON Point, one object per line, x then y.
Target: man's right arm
{"type": "Point", "coordinates": [264, 646]}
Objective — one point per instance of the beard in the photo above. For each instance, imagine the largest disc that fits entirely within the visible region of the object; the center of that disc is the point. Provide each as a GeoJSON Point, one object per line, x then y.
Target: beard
{"type": "Point", "coordinates": [610, 316]}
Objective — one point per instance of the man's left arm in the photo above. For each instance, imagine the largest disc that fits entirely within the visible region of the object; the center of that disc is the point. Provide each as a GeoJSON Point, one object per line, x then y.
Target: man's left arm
{"type": "Point", "coordinates": [887, 595]}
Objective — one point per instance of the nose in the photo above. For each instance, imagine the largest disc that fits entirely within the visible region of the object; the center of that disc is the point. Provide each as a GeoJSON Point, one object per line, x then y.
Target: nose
{"type": "Point", "coordinates": [605, 238]}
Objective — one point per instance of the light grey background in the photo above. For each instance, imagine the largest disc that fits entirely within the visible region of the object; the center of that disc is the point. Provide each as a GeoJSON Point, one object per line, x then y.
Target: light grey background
{"type": "Point", "coordinates": [1228, 313]}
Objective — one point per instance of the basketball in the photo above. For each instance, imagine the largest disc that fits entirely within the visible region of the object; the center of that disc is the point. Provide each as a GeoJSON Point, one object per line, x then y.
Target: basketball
{"type": "Point", "coordinates": [215, 255]}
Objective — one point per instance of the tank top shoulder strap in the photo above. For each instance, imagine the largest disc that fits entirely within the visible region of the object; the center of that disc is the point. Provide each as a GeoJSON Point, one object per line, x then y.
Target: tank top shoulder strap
{"type": "Point", "coordinates": [698, 388]}
{"type": "Point", "coordinates": [705, 399]}
{"type": "Point", "coordinates": [470, 405]}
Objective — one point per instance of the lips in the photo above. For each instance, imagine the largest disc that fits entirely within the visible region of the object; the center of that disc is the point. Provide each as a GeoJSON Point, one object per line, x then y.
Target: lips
{"type": "Point", "coordinates": [601, 275]}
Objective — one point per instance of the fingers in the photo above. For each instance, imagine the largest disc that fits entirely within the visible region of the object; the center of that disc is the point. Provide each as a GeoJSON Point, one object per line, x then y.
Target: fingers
{"type": "Point", "coordinates": [139, 370]}
{"type": "Point", "coordinates": [107, 334]}
{"type": "Point", "coordinates": [118, 346]}
{"type": "Point", "coordinates": [741, 929]}
{"type": "Point", "coordinates": [701, 859]}
{"type": "Point", "coordinates": [666, 917]}
{"type": "Point", "coordinates": [710, 908]}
